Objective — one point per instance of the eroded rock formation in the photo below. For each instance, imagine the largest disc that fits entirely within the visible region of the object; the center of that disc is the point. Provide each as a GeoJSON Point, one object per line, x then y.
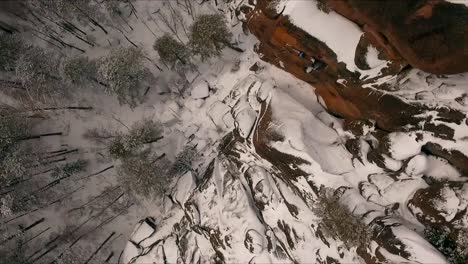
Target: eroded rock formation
{"type": "Point", "coordinates": [354, 95]}
{"type": "Point", "coordinates": [431, 35]}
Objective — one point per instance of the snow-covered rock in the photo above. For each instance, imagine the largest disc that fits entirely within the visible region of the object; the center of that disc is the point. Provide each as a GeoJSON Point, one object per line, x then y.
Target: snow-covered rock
{"type": "Point", "coordinates": [200, 90]}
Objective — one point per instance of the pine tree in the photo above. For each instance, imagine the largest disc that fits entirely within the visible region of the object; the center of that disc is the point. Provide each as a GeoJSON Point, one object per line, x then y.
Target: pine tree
{"type": "Point", "coordinates": [144, 175]}
{"type": "Point", "coordinates": [78, 70]}
{"type": "Point", "coordinates": [70, 168]}
{"type": "Point", "coordinates": [183, 161]}
{"type": "Point", "coordinates": [125, 74]}
{"type": "Point", "coordinates": [209, 35]}
{"type": "Point", "coordinates": [171, 51]}
{"type": "Point", "coordinates": [35, 69]}
{"type": "Point", "coordinates": [10, 48]}
{"type": "Point", "coordinates": [14, 158]}
{"type": "Point", "coordinates": [81, 10]}
{"type": "Point", "coordinates": [140, 133]}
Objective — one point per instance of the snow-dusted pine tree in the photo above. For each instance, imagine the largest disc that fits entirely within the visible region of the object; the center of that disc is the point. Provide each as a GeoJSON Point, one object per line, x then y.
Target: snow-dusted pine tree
{"type": "Point", "coordinates": [125, 74]}
{"type": "Point", "coordinates": [140, 133]}
{"type": "Point", "coordinates": [209, 35]}
{"type": "Point", "coordinates": [78, 70]}
{"type": "Point", "coordinates": [10, 46]}
{"type": "Point", "coordinates": [183, 161]}
{"type": "Point", "coordinates": [171, 51]}
{"type": "Point", "coordinates": [35, 69]}
{"type": "Point", "coordinates": [144, 175]}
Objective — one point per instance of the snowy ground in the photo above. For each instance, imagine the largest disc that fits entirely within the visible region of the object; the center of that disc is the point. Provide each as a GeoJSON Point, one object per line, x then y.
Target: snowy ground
{"type": "Point", "coordinates": [242, 207]}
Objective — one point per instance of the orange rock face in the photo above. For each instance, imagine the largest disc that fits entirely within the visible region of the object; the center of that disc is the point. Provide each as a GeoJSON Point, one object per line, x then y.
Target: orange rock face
{"type": "Point", "coordinates": [431, 35]}
{"type": "Point", "coordinates": [280, 43]}
{"type": "Point", "coordinates": [343, 92]}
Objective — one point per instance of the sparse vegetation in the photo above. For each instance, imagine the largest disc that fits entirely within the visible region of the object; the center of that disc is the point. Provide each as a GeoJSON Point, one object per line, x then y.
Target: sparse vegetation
{"type": "Point", "coordinates": [338, 222]}
{"type": "Point", "coordinates": [453, 246]}
{"type": "Point", "coordinates": [323, 6]}
{"type": "Point", "coordinates": [14, 255]}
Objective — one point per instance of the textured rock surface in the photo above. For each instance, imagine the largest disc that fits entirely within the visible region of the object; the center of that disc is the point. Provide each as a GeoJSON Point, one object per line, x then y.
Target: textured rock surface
{"type": "Point", "coordinates": [254, 202]}
{"type": "Point", "coordinates": [431, 35]}
{"type": "Point", "coordinates": [351, 95]}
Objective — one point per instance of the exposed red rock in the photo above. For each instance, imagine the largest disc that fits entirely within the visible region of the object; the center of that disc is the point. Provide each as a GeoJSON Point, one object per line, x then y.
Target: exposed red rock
{"type": "Point", "coordinates": [431, 35]}
{"type": "Point", "coordinates": [343, 91]}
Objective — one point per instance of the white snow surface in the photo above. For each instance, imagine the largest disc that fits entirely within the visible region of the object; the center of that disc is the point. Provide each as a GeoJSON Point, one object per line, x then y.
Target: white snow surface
{"type": "Point", "coordinates": [225, 204]}
{"type": "Point", "coordinates": [461, 2]}
{"type": "Point", "coordinates": [340, 34]}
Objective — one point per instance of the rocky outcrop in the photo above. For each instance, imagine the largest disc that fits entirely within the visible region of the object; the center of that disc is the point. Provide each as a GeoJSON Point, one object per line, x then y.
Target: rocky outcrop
{"type": "Point", "coordinates": [431, 35]}
{"type": "Point", "coordinates": [353, 95]}
{"type": "Point", "coordinates": [255, 202]}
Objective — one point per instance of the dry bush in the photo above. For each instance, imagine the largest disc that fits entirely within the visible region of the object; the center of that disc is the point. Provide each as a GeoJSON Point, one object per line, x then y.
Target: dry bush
{"type": "Point", "coordinates": [338, 222]}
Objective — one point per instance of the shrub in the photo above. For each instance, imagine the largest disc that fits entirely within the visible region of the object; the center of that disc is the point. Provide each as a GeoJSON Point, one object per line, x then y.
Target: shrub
{"type": "Point", "coordinates": [209, 35]}
{"type": "Point", "coordinates": [455, 249]}
{"type": "Point", "coordinates": [338, 222]}
{"type": "Point", "coordinates": [323, 6]}
{"type": "Point", "coordinates": [171, 51]}
{"type": "Point", "coordinates": [125, 74]}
